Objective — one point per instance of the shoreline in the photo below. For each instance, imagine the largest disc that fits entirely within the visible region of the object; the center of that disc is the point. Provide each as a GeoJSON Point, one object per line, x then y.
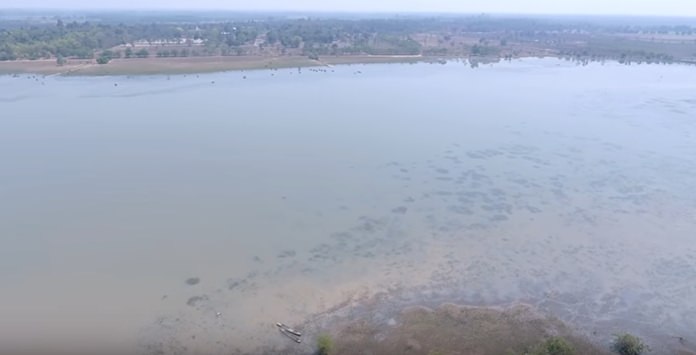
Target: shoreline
{"type": "Point", "coordinates": [190, 65]}
{"type": "Point", "coordinates": [448, 324]}
{"type": "Point", "coordinates": [448, 328]}
{"type": "Point", "coordinates": [219, 64]}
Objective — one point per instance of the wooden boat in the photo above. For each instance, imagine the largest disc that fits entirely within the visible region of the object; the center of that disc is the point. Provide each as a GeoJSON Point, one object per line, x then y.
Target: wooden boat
{"type": "Point", "coordinates": [288, 329]}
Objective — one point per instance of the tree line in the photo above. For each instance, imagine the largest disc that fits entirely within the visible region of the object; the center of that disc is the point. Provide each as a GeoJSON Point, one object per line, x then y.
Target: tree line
{"type": "Point", "coordinates": [92, 38]}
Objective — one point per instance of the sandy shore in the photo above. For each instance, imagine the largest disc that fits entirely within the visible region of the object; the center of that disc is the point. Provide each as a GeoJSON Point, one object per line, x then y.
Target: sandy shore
{"type": "Point", "coordinates": [188, 65]}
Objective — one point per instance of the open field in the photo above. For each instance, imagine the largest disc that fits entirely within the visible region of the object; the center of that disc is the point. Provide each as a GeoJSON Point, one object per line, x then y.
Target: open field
{"type": "Point", "coordinates": [151, 66]}
{"type": "Point", "coordinates": [189, 65]}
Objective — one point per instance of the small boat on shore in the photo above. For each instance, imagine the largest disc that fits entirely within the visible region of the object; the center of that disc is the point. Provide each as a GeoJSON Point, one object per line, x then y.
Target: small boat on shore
{"type": "Point", "coordinates": [288, 329]}
{"type": "Point", "coordinates": [289, 332]}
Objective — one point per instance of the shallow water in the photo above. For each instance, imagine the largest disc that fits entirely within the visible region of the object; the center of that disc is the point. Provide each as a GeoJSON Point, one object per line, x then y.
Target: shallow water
{"type": "Point", "coordinates": [290, 193]}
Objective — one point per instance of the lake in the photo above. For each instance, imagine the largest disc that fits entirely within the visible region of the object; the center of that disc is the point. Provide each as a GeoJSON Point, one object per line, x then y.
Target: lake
{"type": "Point", "coordinates": [191, 213]}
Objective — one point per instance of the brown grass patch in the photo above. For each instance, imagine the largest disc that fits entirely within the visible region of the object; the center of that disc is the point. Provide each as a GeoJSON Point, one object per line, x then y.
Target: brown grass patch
{"type": "Point", "coordinates": [452, 329]}
{"type": "Point", "coordinates": [187, 65]}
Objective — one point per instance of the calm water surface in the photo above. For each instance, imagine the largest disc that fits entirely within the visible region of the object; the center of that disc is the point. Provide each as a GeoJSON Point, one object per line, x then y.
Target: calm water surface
{"type": "Point", "coordinates": [291, 193]}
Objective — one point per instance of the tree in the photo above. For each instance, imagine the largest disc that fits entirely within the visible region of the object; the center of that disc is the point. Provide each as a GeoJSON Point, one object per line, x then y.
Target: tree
{"type": "Point", "coordinates": [143, 53]}
{"type": "Point", "coordinates": [105, 57]}
{"type": "Point", "coordinates": [60, 60]}
{"type": "Point", "coordinates": [627, 344]}
{"type": "Point", "coordinates": [129, 52]}
{"type": "Point", "coordinates": [7, 53]}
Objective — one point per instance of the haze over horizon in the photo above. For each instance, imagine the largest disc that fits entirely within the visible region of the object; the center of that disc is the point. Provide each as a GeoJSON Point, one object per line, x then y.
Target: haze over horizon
{"type": "Point", "coordinates": [579, 7]}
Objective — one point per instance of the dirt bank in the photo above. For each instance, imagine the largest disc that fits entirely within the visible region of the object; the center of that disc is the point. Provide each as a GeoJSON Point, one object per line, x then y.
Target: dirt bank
{"type": "Point", "coordinates": [187, 65]}
{"type": "Point", "coordinates": [447, 329]}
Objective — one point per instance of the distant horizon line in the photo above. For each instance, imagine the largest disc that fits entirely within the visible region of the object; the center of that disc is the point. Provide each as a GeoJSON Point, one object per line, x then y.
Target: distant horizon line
{"type": "Point", "coordinates": [348, 12]}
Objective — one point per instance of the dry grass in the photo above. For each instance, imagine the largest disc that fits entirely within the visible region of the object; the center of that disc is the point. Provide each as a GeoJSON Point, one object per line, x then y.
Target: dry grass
{"type": "Point", "coordinates": [371, 59]}
{"type": "Point", "coordinates": [43, 67]}
{"type": "Point", "coordinates": [186, 65]}
{"type": "Point", "coordinates": [153, 66]}
{"type": "Point", "coordinates": [452, 329]}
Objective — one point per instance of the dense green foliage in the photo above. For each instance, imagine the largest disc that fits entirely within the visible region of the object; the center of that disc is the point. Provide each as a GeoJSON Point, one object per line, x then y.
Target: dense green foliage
{"type": "Point", "coordinates": [182, 35]}
{"type": "Point", "coordinates": [627, 344]}
{"type": "Point", "coordinates": [83, 39]}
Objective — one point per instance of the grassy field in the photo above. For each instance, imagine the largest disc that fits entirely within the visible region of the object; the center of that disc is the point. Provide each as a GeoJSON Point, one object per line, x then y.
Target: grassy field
{"type": "Point", "coordinates": [154, 66]}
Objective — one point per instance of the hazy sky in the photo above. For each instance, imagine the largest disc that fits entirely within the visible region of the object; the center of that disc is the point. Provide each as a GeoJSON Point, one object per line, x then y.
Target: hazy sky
{"type": "Point", "coordinates": [628, 7]}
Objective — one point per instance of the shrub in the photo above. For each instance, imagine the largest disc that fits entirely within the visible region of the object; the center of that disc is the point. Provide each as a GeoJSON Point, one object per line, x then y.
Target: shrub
{"type": "Point", "coordinates": [554, 346]}
{"type": "Point", "coordinates": [103, 60]}
{"type": "Point", "coordinates": [324, 345]}
{"type": "Point", "coordinates": [627, 344]}
{"type": "Point", "coordinates": [143, 53]}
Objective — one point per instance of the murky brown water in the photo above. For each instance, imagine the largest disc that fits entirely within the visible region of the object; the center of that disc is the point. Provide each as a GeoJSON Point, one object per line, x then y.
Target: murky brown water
{"type": "Point", "coordinates": [287, 195]}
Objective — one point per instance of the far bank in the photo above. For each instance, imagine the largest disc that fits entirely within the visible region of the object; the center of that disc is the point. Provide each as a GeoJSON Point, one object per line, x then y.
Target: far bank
{"type": "Point", "coordinates": [189, 65]}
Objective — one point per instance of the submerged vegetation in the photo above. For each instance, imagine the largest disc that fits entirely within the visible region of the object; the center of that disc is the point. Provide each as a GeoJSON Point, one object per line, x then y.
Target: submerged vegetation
{"type": "Point", "coordinates": [325, 345]}
{"type": "Point", "coordinates": [107, 36]}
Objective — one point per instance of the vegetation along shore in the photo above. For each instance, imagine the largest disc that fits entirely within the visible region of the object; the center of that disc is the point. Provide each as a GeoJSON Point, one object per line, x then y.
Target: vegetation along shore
{"type": "Point", "coordinates": [169, 43]}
